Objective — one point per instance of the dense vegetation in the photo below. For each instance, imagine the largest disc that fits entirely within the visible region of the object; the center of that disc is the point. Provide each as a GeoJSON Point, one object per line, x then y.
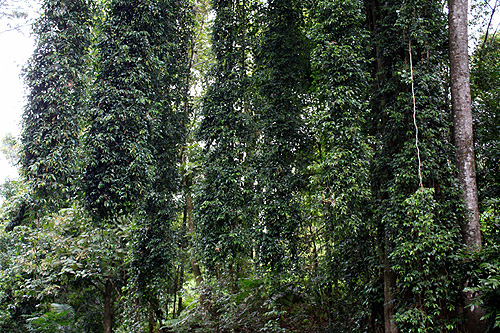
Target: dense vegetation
{"type": "Point", "coordinates": [249, 166]}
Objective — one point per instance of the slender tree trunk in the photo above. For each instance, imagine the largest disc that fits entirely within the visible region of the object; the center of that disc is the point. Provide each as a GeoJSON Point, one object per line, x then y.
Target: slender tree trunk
{"type": "Point", "coordinates": [462, 120]}
{"type": "Point", "coordinates": [464, 143]}
{"type": "Point", "coordinates": [151, 320]}
{"type": "Point", "coordinates": [389, 276]}
{"type": "Point", "coordinates": [194, 264]}
{"type": "Point", "coordinates": [181, 283]}
{"type": "Point", "coordinates": [108, 315]}
{"type": "Point", "coordinates": [389, 286]}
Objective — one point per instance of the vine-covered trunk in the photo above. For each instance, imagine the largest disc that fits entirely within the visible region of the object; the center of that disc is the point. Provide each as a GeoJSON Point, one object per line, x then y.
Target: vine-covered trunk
{"type": "Point", "coordinates": [382, 75]}
{"type": "Point", "coordinates": [56, 79]}
{"type": "Point", "coordinates": [389, 287]}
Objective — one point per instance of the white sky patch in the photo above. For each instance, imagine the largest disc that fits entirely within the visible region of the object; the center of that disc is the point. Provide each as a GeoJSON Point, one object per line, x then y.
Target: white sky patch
{"type": "Point", "coordinates": [16, 48]}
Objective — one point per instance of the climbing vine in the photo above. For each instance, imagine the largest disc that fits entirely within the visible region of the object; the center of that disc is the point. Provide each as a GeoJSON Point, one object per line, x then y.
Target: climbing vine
{"type": "Point", "coordinates": [56, 79]}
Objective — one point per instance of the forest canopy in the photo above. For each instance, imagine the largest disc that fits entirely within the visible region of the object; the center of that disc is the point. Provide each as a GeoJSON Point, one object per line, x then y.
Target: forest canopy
{"type": "Point", "coordinates": [255, 166]}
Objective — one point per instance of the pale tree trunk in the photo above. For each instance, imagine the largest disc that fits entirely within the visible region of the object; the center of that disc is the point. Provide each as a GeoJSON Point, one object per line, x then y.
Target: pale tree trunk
{"type": "Point", "coordinates": [464, 143]}
{"type": "Point", "coordinates": [462, 120]}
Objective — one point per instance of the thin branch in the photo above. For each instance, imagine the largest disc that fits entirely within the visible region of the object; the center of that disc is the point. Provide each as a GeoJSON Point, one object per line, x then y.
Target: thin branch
{"type": "Point", "coordinates": [494, 34]}
{"type": "Point", "coordinates": [15, 28]}
{"type": "Point", "coordinates": [489, 22]}
{"type": "Point", "coordinates": [102, 291]}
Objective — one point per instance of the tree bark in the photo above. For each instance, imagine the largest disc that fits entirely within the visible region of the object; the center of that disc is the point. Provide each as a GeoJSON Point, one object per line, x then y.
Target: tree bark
{"type": "Point", "coordinates": [389, 286]}
{"type": "Point", "coordinates": [194, 264]}
{"type": "Point", "coordinates": [108, 315]}
{"type": "Point", "coordinates": [464, 143]}
{"type": "Point", "coordinates": [151, 320]}
{"type": "Point", "coordinates": [462, 120]}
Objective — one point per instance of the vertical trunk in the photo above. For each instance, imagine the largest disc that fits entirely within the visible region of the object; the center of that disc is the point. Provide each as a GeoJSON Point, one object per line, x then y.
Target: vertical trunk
{"type": "Point", "coordinates": [389, 286]}
{"type": "Point", "coordinates": [462, 120]}
{"type": "Point", "coordinates": [151, 320]}
{"type": "Point", "coordinates": [189, 213]}
{"type": "Point", "coordinates": [374, 15]}
{"type": "Point", "coordinates": [179, 307]}
{"type": "Point", "coordinates": [181, 283]}
{"type": "Point", "coordinates": [176, 287]}
{"type": "Point", "coordinates": [464, 143]}
{"type": "Point", "coordinates": [108, 315]}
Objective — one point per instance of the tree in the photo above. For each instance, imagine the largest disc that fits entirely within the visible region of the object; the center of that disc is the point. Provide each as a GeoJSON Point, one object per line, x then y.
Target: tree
{"type": "Point", "coordinates": [340, 181]}
{"type": "Point", "coordinates": [136, 128]}
{"type": "Point", "coordinates": [415, 201]}
{"type": "Point", "coordinates": [118, 163]}
{"type": "Point", "coordinates": [485, 71]}
{"type": "Point", "coordinates": [55, 76]}
{"type": "Point", "coordinates": [65, 263]}
{"type": "Point", "coordinates": [314, 164]}
{"type": "Point", "coordinates": [464, 139]}
{"type": "Point", "coordinates": [154, 252]}
{"type": "Point", "coordinates": [281, 78]}
{"type": "Point", "coordinates": [462, 120]}
{"type": "Point", "coordinates": [222, 205]}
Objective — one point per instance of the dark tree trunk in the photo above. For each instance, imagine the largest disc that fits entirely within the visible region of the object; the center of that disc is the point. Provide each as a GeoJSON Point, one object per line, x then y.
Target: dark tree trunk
{"type": "Point", "coordinates": [108, 314]}
{"type": "Point", "coordinates": [374, 14]}
{"type": "Point", "coordinates": [151, 320]}
{"type": "Point", "coordinates": [389, 287]}
{"type": "Point", "coordinates": [464, 143]}
{"type": "Point", "coordinates": [194, 264]}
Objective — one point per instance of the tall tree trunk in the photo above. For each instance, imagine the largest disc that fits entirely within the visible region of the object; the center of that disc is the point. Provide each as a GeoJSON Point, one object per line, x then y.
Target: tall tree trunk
{"type": "Point", "coordinates": [108, 315]}
{"type": "Point", "coordinates": [189, 214]}
{"type": "Point", "coordinates": [389, 286]}
{"type": "Point", "coordinates": [462, 122]}
{"type": "Point", "coordinates": [151, 320]}
{"type": "Point", "coordinates": [389, 276]}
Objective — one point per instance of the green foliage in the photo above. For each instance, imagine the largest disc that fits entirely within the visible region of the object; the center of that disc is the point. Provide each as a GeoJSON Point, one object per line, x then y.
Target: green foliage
{"type": "Point", "coordinates": [118, 167]}
{"type": "Point", "coordinates": [10, 147]}
{"type": "Point", "coordinates": [426, 278]}
{"type": "Point", "coordinates": [487, 289]}
{"type": "Point", "coordinates": [485, 74]}
{"type": "Point", "coordinates": [63, 261]}
{"type": "Point", "coordinates": [222, 210]}
{"type": "Point", "coordinates": [56, 320]}
{"type": "Point", "coordinates": [52, 117]}
{"type": "Point", "coordinates": [340, 172]}
{"type": "Point", "coordinates": [281, 79]}
{"type": "Point", "coordinates": [293, 130]}
{"type": "Point", "coordinates": [485, 286]}
{"type": "Point", "coordinates": [258, 306]}
{"type": "Point", "coordinates": [17, 206]}
{"type": "Point", "coordinates": [153, 243]}
{"type": "Point", "coordinates": [21, 289]}
{"type": "Point", "coordinates": [424, 261]}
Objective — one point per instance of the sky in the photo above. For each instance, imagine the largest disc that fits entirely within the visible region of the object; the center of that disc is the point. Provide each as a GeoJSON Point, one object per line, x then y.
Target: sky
{"type": "Point", "coordinates": [16, 48]}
